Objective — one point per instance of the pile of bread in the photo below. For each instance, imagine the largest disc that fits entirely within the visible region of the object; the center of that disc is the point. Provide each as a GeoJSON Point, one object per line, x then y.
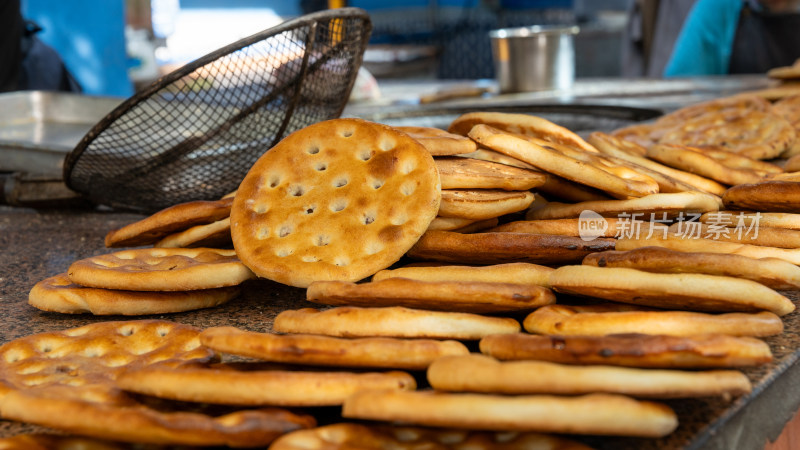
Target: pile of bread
{"type": "Point", "coordinates": [504, 276]}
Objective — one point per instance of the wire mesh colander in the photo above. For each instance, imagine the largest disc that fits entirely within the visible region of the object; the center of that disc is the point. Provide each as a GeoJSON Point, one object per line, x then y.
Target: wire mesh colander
{"type": "Point", "coordinates": [194, 133]}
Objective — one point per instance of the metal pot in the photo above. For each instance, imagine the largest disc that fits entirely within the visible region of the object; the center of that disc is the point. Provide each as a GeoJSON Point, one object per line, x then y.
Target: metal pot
{"type": "Point", "coordinates": [539, 57]}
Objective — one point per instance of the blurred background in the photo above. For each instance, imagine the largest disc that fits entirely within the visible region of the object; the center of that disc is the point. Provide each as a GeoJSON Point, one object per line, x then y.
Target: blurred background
{"type": "Point", "coordinates": [116, 47]}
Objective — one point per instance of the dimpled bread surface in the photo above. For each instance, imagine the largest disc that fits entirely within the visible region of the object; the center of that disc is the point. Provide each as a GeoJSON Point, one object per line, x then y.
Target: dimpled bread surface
{"type": "Point", "coordinates": [338, 200]}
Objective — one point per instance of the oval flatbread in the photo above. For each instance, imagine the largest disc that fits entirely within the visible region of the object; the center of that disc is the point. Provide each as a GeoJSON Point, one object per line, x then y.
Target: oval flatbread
{"type": "Point", "coordinates": [747, 218]}
{"type": "Point", "coordinates": [522, 273]}
{"type": "Point", "coordinates": [307, 349]}
{"type": "Point", "coordinates": [180, 217]}
{"type": "Point", "coordinates": [588, 168]}
{"type": "Point", "coordinates": [394, 321]}
{"type": "Point", "coordinates": [480, 204]}
{"type": "Point", "coordinates": [615, 147]}
{"type": "Point", "coordinates": [767, 196]}
{"type": "Point", "coordinates": [214, 235]}
{"type": "Point", "coordinates": [136, 423]}
{"type": "Point", "coordinates": [688, 243]}
{"type": "Point", "coordinates": [602, 414]}
{"type": "Point", "coordinates": [764, 236]}
{"type": "Point", "coordinates": [718, 165]}
{"type": "Point", "coordinates": [572, 227]}
{"type": "Point", "coordinates": [478, 297]}
{"type": "Point", "coordinates": [467, 173]}
{"type": "Point", "coordinates": [604, 319]}
{"type": "Point", "coordinates": [230, 386]}
{"type": "Point", "coordinates": [439, 142]}
{"type": "Point", "coordinates": [524, 124]}
{"type": "Point", "coordinates": [772, 272]}
{"type": "Point", "coordinates": [656, 205]}
{"type": "Point", "coordinates": [344, 436]}
{"type": "Point", "coordinates": [631, 350]}
{"type": "Point", "coordinates": [500, 248]}
{"type": "Point", "coordinates": [484, 374]}
{"type": "Point", "coordinates": [681, 291]}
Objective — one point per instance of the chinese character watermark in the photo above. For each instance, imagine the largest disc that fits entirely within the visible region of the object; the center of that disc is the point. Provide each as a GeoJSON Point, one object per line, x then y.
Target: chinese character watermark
{"type": "Point", "coordinates": [714, 225]}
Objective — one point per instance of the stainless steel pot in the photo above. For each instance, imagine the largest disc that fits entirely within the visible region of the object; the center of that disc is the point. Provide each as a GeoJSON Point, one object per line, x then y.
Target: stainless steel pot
{"type": "Point", "coordinates": [539, 57]}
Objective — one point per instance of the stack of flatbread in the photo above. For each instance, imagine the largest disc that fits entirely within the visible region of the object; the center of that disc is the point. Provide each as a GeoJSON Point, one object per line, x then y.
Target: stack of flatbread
{"type": "Point", "coordinates": [143, 281]}
{"type": "Point", "coordinates": [746, 125]}
{"type": "Point", "coordinates": [475, 192]}
{"type": "Point", "coordinates": [448, 265]}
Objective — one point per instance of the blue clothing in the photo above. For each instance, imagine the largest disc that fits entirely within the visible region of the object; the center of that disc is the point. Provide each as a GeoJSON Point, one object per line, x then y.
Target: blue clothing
{"type": "Point", "coordinates": [704, 44]}
{"type": "Point", "coordinates": [90, 37]}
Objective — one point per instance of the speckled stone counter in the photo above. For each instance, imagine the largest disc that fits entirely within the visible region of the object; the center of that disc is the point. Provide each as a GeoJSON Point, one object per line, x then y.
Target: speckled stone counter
{"type": "Point", "coordinates": [35, 244]}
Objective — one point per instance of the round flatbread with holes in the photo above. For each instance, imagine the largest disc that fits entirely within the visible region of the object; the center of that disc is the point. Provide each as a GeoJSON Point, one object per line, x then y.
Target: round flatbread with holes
{"type": "Point", "coordinates": [97, 352]}
{"type": "Point", "coordinates": [161, 269]}
{"type": "Point", "coordinates": [337, 200]}
{"type": "Point", "coordinates": [66, 380]}
{"type": "Point", "coordinates": [59, 294]}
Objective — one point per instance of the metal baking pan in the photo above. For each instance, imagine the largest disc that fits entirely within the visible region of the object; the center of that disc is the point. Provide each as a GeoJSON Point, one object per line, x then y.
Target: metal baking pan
{"type": "Point", "coordinates": [39, 128]}
{"type": "Point", "coordinates": [580, 118]}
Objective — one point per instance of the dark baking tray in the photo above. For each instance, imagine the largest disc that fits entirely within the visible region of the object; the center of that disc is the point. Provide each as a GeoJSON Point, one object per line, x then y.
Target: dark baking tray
{"type": "Point", "coordinates": [580, 118]}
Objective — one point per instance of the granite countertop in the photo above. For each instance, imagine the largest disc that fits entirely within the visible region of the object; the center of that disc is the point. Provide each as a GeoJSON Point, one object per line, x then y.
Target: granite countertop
{"type": "Point", "coordinates": [40, 243]}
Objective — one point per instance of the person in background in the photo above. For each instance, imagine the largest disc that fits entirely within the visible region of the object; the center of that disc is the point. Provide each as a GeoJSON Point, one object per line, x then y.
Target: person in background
{"type": "Point", "coordinates": [721, 37]}
{"type": "Point", "coordinates": [650, 34]}
{"type": "Point", "coordinates": [26, 63]}
{"type": "Point", "coordinates": [79, 47]}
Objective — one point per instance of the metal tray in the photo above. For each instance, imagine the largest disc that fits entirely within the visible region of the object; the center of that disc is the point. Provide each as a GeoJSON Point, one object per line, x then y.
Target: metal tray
{"type": "Point", "coordinates": [39, 128]}
{"type": "Point", "coordinates": [580, 118]}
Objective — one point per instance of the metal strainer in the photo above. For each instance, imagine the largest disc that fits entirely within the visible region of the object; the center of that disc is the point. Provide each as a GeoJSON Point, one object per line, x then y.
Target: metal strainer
{"type": "Point", "coordinates": [194, 133]}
